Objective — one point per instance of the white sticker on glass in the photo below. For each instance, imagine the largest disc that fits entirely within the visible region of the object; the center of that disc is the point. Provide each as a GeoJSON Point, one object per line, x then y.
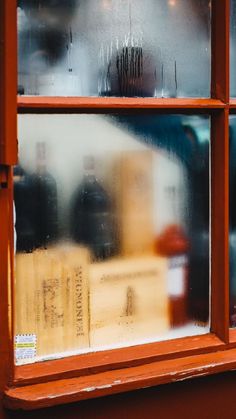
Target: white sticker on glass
{"type": "Point", "coordinates": [25, 346]}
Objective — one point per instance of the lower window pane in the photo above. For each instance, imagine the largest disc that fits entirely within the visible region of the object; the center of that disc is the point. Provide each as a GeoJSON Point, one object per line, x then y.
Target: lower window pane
{"type": "Point", "coordinates": [112, 232]}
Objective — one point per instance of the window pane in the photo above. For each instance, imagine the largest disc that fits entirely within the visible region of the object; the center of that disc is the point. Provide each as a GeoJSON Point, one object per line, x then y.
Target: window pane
{"type": "Point", "coordinates": [112, 231]}
{"type": "Point", "coordinates": [114, 47]}
{"type": "Point", "coordinates": [232, 236]}
{"type": "Point", "coordinates": [233, 49]}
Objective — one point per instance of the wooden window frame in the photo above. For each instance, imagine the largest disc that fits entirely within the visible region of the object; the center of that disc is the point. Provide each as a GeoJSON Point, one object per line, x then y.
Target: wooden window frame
{"type": "Point", "coordinates": [96, 374]}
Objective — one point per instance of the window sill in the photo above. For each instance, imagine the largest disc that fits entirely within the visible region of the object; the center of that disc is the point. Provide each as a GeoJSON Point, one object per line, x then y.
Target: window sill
{"type": "Point", "coordinates": [71, 390]}
{"type": "Point", "coordinates": [126, 357]}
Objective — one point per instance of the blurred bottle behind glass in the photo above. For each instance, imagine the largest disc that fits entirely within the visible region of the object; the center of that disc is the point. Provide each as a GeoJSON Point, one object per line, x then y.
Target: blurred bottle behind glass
{"type": "Point", "coordinates": [44, 198]}
{"type": "Point", "coordinates": [92, 220]}
{"type": "Point", "coordinates": [24, 226]}
{"type": "Point", "coordinates": [173, 244]}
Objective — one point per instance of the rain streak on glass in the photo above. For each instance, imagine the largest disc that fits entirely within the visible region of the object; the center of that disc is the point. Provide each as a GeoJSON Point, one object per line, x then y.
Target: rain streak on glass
{"type": "Point", "coordinates": [154, 48]}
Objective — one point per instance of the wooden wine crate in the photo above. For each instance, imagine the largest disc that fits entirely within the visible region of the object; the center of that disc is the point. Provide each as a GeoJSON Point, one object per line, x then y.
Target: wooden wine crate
{"type": "Point", "coordinates": [134, 202]}
{"type": "Point", "coordinates": [51, 302]}
{"type": "Point", "coordinates": [128, 301]}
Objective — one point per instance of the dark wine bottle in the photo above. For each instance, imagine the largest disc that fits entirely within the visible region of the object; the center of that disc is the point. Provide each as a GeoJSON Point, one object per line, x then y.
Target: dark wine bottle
{"type": "Point", "coordinates": [92, 221]}
{"type": "Point", "coordinates": [44, 197]}
{"type": "Point", "coordinates": [25, 226]}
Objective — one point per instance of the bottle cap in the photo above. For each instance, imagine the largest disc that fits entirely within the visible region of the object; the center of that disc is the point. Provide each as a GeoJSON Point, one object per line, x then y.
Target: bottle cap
{"type": "Point", "coordinates": [172, 241]}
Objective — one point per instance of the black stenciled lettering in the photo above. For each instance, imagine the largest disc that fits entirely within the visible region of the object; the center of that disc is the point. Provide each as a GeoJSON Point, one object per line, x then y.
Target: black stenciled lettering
{"type": "Point", "coordinates": [79, 302]}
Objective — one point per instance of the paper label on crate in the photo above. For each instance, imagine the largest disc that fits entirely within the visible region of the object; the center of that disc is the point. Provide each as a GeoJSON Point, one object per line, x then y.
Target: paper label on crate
{"type": "Point", "coordinates": [25, 346]}
{"type": "Point", "coordinates": [176, 276]}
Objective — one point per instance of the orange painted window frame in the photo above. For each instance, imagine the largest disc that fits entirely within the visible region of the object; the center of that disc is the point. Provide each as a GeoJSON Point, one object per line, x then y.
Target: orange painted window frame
{"type": "Point", "coordinates": [92, 375]}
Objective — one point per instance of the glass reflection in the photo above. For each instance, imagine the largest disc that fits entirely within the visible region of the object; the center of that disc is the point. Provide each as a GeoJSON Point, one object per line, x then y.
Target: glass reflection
{"type": "Point", "coordinates": [101, 48]}
{"type": "Point", "coordinates": [112, 226]}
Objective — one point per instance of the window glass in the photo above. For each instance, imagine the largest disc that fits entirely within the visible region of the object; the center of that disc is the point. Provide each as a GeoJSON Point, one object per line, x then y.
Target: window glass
{"type": "Point", "coordinates": [112, 231]}
{"type": "Point", "coordinates": [155, 48]}
{"type": "Point", "coordinates": [232, 236]}
{"type": "Point", "coordinates": [233, 49]}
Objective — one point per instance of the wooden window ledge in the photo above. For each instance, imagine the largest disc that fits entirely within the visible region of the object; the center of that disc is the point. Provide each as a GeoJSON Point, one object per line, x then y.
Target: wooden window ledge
{"type": "Point", "coordinates": [71, 390]}
{"type": "Point", "coordinates": [46, 103]}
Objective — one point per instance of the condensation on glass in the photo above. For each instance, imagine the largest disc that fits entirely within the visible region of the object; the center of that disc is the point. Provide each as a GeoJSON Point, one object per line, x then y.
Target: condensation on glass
{"type": "Point", "coordinates": [232, 213]}
{"type": "Point", "coordinates": [233, 49]}
{"type": "Point", "coordinates": [112, 232]}
{"type": "Point", "coordinates": [155, 48]}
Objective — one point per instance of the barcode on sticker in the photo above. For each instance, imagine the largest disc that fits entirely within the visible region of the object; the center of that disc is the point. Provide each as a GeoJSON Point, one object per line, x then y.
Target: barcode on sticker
{"type": "Point", "coordinates": [25, 346]}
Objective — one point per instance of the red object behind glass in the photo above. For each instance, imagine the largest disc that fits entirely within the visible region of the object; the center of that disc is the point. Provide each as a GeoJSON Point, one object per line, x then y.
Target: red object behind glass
{"type": "Point", "coordinates": [173, 244]}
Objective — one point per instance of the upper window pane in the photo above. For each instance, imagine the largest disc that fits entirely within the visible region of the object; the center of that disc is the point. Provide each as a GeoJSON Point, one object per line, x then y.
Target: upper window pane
{"type": "Point", "coordinates": [233, 49]}
{"type": "Point", "coordinates": [155, 48]}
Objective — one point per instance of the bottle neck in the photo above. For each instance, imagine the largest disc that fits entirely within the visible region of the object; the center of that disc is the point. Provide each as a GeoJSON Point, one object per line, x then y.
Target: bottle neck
{"type": "Point", "coordinates": [41, 168]}
{"type": "Point", "coordinates": [41, 158]}
{"type": "Point", "coordinates": [89, 176]}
